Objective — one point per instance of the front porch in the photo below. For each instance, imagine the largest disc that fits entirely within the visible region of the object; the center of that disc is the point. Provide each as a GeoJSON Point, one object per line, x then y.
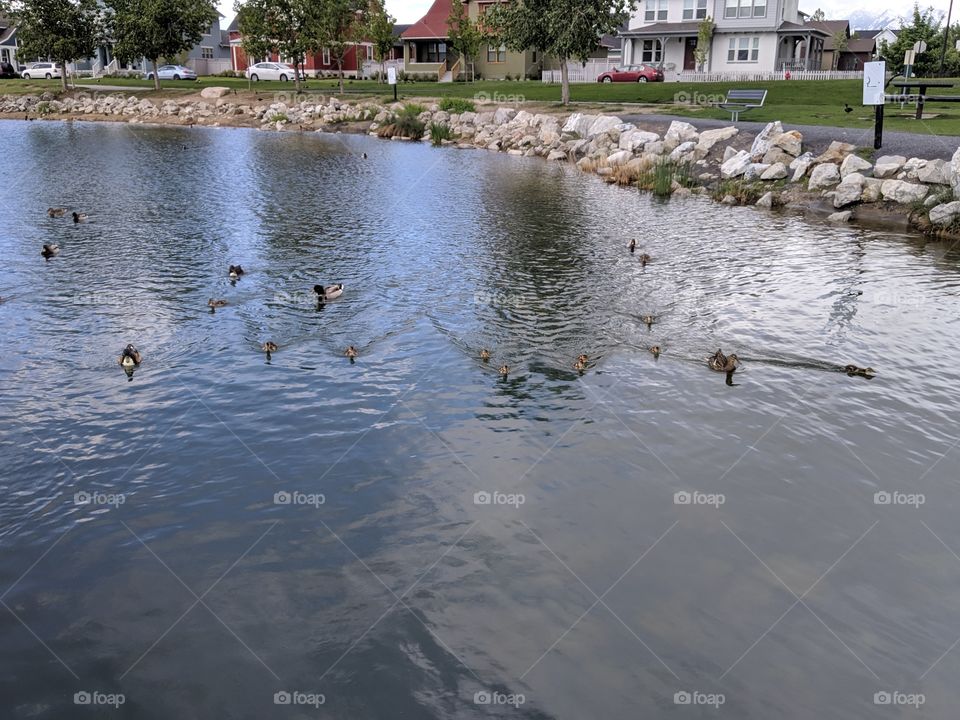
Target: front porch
{"type": "Point", "coordinates": [799, 48]}
{"type": "Point", "coordinates": [670, 46]}
{"type": "Point", "coordinates": [431, 56]}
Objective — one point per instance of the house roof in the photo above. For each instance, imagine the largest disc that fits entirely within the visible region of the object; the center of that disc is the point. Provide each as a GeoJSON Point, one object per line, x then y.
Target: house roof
{"type": "Point", "coordinates": [859, 44]}
{"type": "Point", "coordinates": [789, 28]}
{"type": "Point", "coordinates": [6, 34]}
{"type": "Point", "coordinates": [832, 27]}
{"type": "Point", "coordinates": [234, 25]}
{"type": "Point", "coordinates": [664, 29]}
{"type": "Point", "coordinates": [399, 30]}
{"type": "Point", "coordinates": [433, 25]}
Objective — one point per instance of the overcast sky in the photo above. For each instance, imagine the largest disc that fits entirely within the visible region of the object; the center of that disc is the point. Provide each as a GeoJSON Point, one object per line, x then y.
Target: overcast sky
{"type": "Point", "coordinates": [409, 11]}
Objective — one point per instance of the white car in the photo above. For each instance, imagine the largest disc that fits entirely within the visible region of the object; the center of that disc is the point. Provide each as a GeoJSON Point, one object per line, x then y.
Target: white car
{"type": "Point", "coordinates": [272, 71]}
{"type": "Point", "coordinates": [46, 70]}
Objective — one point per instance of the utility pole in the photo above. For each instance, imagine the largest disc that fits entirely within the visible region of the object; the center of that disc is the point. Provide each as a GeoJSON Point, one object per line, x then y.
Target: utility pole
{"type": "Point", "coordinates": [946, 38]}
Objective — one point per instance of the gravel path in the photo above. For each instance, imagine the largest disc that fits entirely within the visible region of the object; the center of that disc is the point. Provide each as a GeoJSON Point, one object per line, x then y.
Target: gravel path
{"type": "Point", "coordinates": [818, 137]}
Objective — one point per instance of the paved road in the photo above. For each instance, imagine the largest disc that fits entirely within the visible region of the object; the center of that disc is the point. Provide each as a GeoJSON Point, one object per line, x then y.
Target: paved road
{"type": "Point", "coordinates": [818, 137]}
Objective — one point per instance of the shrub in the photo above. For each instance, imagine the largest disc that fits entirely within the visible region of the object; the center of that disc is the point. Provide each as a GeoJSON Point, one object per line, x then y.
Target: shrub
{"type": "Point", "coordinates": [457, 105]}
{"type": "Point", "coordinates": [229, 73]}
{"type": "Point", "coordinates": [413, 109]}
{"type": "Point", "coordinates": [744, 192]}
{"type": "Point", "coordinates": [440, 132]}
{"type": "Point", "coordinates": [660, 178]}
{"type": "Point", "coordinates": [278, 117]}
{"type": "Point", "coordinates": [410, 126]}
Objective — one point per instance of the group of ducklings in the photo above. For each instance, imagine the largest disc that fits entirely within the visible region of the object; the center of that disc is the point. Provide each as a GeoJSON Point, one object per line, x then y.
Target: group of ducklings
{"type": "Point", "coordinates": [130, 358]}
{"type": "Point", "coordinates": [51, 249]}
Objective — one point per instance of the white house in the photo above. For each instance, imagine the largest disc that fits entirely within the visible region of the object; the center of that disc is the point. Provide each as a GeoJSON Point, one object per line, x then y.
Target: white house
{"type": "Point", "coordinates": [749, 36]}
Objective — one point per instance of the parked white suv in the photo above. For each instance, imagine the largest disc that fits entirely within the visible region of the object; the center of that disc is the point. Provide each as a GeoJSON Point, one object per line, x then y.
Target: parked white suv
{"type": "Point", "coordinates": [46, 70]}
{"type": "Point", "coordinates": [272, 71]}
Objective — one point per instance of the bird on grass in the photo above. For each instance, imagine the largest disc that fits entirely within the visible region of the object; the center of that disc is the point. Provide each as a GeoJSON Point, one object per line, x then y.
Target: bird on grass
{"type": "Point", "coordinates": [847, 109]}
{"type": "Point", "coordinates": [48, 251]}
{"type": "Point", "coordinates": [130, 357]}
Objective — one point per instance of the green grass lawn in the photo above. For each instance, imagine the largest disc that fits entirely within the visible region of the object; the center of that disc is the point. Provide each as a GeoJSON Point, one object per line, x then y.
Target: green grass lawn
{"type": "Point", "coordinates": [797, 102]}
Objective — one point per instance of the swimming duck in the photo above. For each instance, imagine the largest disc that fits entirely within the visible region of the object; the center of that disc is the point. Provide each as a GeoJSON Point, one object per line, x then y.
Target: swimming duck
{"type": "Point", "coordinates": [56, 212]}
{"type": "Point", "coordinates": [363, 156]}
{"type": "Point", "coordinates": [866, 372]}
{"type": "Point", "coordinates": [351, 352]}
{"type": "Point", "coordinates": [723, 363]}
{"type": "Point", "coordinates": [644, 259]}
{"type": "Point", "coordinates": [655, 351]}
{"type": "Point", "coordinates": [79, 217]}
{"type": "Point", "coordinates": [485, 355]}
{"type": "Point", "coordinates": [235, 271]}
{"type": "Point", "coordinates": [269, 347]}
{"type": "Point", "coordinates": [48, 251]}
{"type": "Point", "coordinates": [214, 304]}
{"type": "Point", "coordinates": [330, 292]}
{"type": "Point", "coordinates": [648, 319]}
{"type": "Point", "coordinates": [581, 363]}
{"type": "Point", "coordinates": [130, 357]}
{"type": "Point", "coordinates": [504, 370]}
{"type": "Point", "coordinates": [632, 245]}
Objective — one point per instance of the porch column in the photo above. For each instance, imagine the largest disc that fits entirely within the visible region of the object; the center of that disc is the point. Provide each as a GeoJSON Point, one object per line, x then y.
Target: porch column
{"type": "Point", "coordinates": [663, 51]}
{"type": "Point", "coordinates": [809, 49]}
{"type": "Point", "coordinates": [627, 55]}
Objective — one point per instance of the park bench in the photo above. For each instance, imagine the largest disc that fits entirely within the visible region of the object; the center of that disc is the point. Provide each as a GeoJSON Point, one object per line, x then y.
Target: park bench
{"type": "Point", "coordinates": [738, 101]}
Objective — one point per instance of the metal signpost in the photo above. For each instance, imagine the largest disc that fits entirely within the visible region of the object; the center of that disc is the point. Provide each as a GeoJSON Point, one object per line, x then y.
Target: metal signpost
{"type": "Point", "coordinates": [874, 93]}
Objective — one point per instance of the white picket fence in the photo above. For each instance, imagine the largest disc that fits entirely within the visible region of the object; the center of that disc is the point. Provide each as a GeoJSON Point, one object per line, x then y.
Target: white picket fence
{"type": "Point", "coordinates": [589, 74]}
{"type": "Point", "coordinates": [580, 73]}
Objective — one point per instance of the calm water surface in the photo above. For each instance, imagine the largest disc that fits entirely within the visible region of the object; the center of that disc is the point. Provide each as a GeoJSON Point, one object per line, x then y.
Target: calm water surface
{"type": "Point", "coordinates": [400, 596]}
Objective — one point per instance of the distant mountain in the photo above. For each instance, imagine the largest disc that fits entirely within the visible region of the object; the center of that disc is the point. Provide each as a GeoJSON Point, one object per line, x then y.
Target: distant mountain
{"type": "Point", "coordinates": [871, 20]}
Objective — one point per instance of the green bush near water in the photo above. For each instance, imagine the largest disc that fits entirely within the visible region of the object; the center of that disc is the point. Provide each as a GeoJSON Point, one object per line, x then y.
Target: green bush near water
{"type": "Point", "coordinates": [440, 132]}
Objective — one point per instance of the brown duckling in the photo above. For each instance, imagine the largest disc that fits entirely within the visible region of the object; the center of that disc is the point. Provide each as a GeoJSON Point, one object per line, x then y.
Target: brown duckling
{"type": "Point", "coordinates": [485, 355]}
{"type": "Point", "coordinates": [269, 347]}
{"type": "Point", "coordinates": [351, 352]}
{"type": "Point", "coordinates": [48, 251]}
{"type": "Point", "coordinates": [504, 370]}
{"type": "Point", "coordinates": [581, 363]}
{"type": "Point", "coordinates": [644, 259]}
{"type": "Point", "coordinates": [655, 351]}
{"type": "Point", "coordinates": [56, 212]}
{"type": "Point", "coordinates": [214, 304]}
{"type": "Point", "coordinates": [852, 370]}
{"type": "Point", "coordinates": [648, 320]}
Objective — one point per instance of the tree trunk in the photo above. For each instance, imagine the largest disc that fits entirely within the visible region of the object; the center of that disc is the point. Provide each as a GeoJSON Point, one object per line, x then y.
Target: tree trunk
{"type": "Point", "coordinates": [564, 82]}
{"type": "Point", "coordinates": [340, 72]}
{"type": "Point", "coordinates": [383, 70]}
{"type": "Point", "coordinates": [63, 73]}
{"type": "Point", "coordinates": [297, 64]}
{"type": "Point", "coordinates": [156, 73]}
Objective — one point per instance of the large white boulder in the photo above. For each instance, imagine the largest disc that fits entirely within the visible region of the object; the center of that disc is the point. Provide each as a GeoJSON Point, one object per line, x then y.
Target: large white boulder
{"type": "Point", "coordinates": [903, 192]}
{"type": "Point", "coordinates": [824, 176]}
{"type": "Point", "coordinates": [800, 166]}
{"type": "Point", "coordinates": [854, 164]}
{"type": "Point", "coordinates": [580, 124]}
{"type": "Point", "coordinates": [791, 142]}
{"type": "Point", "coordinates": [215, 92]}
{"type": "Point", "coordinates": [849, 191]}
{"type": "Point", "coordinates": [503, 115]}
{"type": "Point", "coordinates": [604, 123]}
{"type": "Point", "coordinates": [709, 138]}
{"type": "Point", "coordinates": [888, 165]}
{"type": "Point", "coordinates": [680, 132]}
{"type": "Point", "coordinates": [754, 171]}
{"type": "Point", "coordinates": [621, 157]}
{"type": "Point", "coordinates": [935, 172]}
{"type": "Point", "coordinates": [777, 171]}
{"type": "Point", "coordinates": [736, 165]}
{"type": "Point", "coordinates": [682, 151]}
{"type": "Point", "coordinates": [871, 190]}
{"type": "Point", "coordinates": [946, 213]}
{"type": "Point", "coordinates": [763, 140]}
{"type": "Point", "coordinates": [634, 140]}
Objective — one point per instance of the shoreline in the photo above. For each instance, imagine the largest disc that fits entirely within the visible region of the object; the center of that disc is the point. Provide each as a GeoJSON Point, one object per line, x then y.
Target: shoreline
{"type": "Point", "coordinates": [769, 170]}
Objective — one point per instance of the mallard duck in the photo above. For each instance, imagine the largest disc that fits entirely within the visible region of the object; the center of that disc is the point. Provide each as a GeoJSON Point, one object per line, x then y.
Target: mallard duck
{"type": "Point", "coordinates": [648, 319]}
{"type": "Point", "coordinates": [504, 370]}
{"type": "Point", "coordinates": [644, 259]}
{"type": "Point", "coordinates": [79, 217]}
{"type": "Point", "coordinates": [214, 304]}
{"type": "Point", "coordinates": [351, 352]}
{"type": "Point", "coordinates": [723, 363]}
{"type": "Point", "coordinates": [269, 347]}
{"type": "Point", "coordinates": [363, 156]}
{"type": "Point", "coordinates": [56, 212]}
{"type": "Point", "coordinates": [235, 271]}
{"type": "Point", "coordinates": [48, 251]}
{"type": "Point", "coordinates": [130, 357]}
{"type": "Point", "coordinates": [485, 355]}
{"type": "Point", "coordinates": [330, 292]}
{"type": "Point", "coordinates": [632, 245]}
{"type": "Point", "coordinates": [655, 351]}
{"type": "Point", "coordinates": [855, 370]}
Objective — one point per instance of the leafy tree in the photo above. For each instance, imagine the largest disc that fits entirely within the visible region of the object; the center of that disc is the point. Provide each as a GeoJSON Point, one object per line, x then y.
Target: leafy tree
{"type": "Point", "coordinates": [285, 27]}
{"type": "Point", "coordinates": [566, 29]}
{"type": "Point", "coordinates": [922, 26]}
{"type": "Point", "coordinates": [704, 40]}
{"type": "Point", "coordinates": [463, 34]}
{"type": "Point", "coordinates": [818, 15]}
{"type": "Point", "coordinates": [840, 44]}
{"type": "Point", "coordinates": [380, 25]}
{"type": "Point", "coordinates": [340, 24]}
{"type": "Point", "coordinates": [62, 30]}
{"type": "Point", "coordinates": [156, 29]}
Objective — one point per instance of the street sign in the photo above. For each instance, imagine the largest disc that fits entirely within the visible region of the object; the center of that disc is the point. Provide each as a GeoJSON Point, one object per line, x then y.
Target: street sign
{"type": "Point", "coordinates": [873, 81]}
{"type": "Point", "coordinates": [919, 47]}
{"type": "Point", "coordinates": [909, 57]}
{"type": "Point", "coordinates": [391, 76]}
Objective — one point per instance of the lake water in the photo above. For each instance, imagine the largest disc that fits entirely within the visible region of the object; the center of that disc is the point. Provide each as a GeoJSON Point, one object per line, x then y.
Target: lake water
{"type": "Point", "coordinates": [586, 588]}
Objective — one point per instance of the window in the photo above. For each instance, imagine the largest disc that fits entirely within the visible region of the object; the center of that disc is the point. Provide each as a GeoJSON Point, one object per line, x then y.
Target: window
{"type": "Point", "coordinates": [206, 53]}
{"type": "Point", "coordinates": [369, 52]}
{"type": "Point", "coordinates": [496, 54]}
{"type": "Point", "coordinates": [744, 49]}
{"type": "Point", "coordinates": [651, 52]}
{"type": "Point", "coordinates": [432, 52]}
{"type": "Point", "coordinates": [655, 10]}
{"type": "Point", "coordinates": [325, 56]}
{"type": "Point", "coordinates": [695, 9]}
{"type": "Point", "coordinates": [743, 8]}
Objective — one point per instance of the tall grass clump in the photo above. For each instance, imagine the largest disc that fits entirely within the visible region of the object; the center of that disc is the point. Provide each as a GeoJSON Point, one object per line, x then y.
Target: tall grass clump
{"type": "Point", "coordinates": [661, 177]}
{"type": "Point", "coordinates": [457, 105]}
{"type": "Point", "coordinates": [440, 132]}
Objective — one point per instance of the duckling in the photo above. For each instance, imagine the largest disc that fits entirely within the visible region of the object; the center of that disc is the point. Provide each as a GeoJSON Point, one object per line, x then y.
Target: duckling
{"type": "Point", "coordinates": [214, 304]}
{"type": "Point", "coordinates": [723, 363]}
{"type": "Point", "coordinates": [235, 271]}
{"type": "Point", "coordinates": [363, 156]}
{"type": "Point", "coordinates": [352, 352]}
{"type": "Point", "coordinates": [581, 364]}
{"type": "Point", "coordinates": [644, 259]}
{"type": "Point", "coordinates": [56, 212]}
{"type": "Point", "coordinates": [269, 347]}
{"type": "Point", "coordinates": [655, 351]}
{"type": "Point", "coordinates": [485, 355]}
{"type": "Point", "coordinates": [648, 320]}
{"type": "Point", "coordinates": [632, 245]}
{"type": "Point", "coordinates": [852, 370]}
{"type": "Point", "coordinates": [330, 292]}
{"type": "Point", "coordinates": [504, 370]}
{"type": "Point", "coordinates": [79, 217]}
{"type": "Point", "coordinates": [48, 251]}
{"type": "Point", "coordinates": [130, 357]}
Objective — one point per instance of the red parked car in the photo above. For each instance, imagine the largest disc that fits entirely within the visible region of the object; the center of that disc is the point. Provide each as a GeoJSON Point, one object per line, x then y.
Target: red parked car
{"type": "Point", "coordinates": [633, 73]}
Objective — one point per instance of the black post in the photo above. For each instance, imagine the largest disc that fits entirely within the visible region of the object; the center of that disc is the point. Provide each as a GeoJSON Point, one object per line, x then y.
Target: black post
{"type": "Point", "coordinates": [878, 128]}
{"type": "Point", "coordinates": [394, 92]}
{"type": "Point", "coordinates": [946, 38]}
